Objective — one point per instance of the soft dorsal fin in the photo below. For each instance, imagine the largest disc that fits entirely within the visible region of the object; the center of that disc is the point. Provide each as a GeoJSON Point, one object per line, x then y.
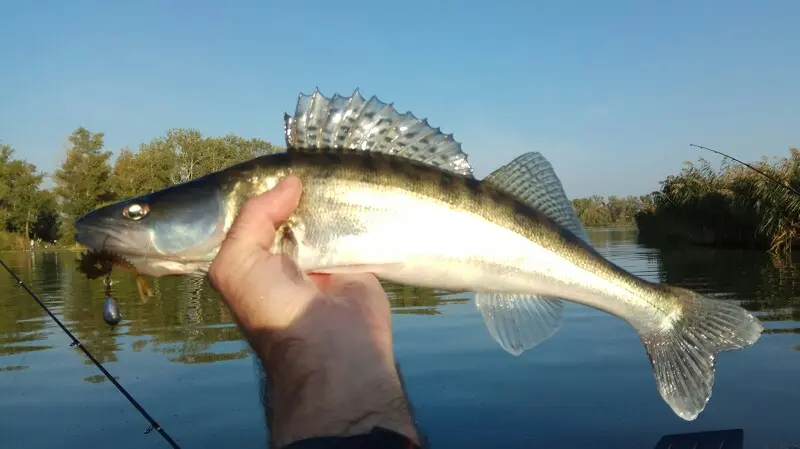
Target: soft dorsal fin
{"type": "Point", "coordinates": [357, 124]}
{"type": "Point", "coordinates": [531, 179]}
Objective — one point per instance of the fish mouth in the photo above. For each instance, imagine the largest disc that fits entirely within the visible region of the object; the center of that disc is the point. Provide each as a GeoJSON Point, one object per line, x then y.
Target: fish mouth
{"type": "Point", "coordinates": [103, 253]}
{"type": "Point", "coordinates": [97, 263]}
{"type": "Point", "coordinates": [108, 248]}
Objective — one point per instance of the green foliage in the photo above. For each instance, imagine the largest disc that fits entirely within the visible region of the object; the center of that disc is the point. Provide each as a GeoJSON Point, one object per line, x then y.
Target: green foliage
{"type": "Point", "coordinates": [731, 206]}
{"type": "Point", "coordinates": [47, 223]}
{"type": "Point", "coordinates": [9, 241]}
{"type": "Point", "coordinates": [87, 179]}
{"type": "Point", "coordinates": [597, 211]}
{"type": "Point", "coordinates": [25, 209]}
{"type": "Point", "coordinates": [82, 181]}
{"type": "Point", "coordinates": [181, 155]}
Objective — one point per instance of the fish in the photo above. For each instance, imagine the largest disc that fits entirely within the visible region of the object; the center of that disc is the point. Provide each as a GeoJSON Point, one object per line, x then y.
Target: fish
{"type": "Point", "coordinates": [387, 193]}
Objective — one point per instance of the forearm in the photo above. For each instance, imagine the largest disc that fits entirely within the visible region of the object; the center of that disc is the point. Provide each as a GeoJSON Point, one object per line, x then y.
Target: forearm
{"type": "Point", "coordinates": [342, 383]}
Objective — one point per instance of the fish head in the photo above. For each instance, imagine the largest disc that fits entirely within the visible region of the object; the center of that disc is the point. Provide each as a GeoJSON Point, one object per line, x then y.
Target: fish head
{"type": "Point", "coordinates": [174, 231]}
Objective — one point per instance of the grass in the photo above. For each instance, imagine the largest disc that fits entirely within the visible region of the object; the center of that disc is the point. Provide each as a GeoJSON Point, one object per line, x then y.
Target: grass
{"type": "Point", "coordinates": [10, 242]}
{"type": "Point", "coordinates": [15, 242]}
{"type": "Point", "coordinates": [732, 206]}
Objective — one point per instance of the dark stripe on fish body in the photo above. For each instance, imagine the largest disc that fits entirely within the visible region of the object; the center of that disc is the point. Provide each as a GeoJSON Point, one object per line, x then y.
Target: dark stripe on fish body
{"type": "Point", "coordinates": [462, 192]}
{"type": "Point", "coordinates": [369, 164]}
{"type": "Point", "coordinates": [333, 158]}
{"type": "Point", "coordinates": [446, 179]}
{"type": "Point", "coordinates": [519, 208]}
{"type": "Point", "coordinates": [473, 186]}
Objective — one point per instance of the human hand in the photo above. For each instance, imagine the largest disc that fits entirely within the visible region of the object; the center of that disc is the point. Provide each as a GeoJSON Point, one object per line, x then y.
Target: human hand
{"type": "Point", "coordinates": [323, 342]}
{"type": "Point", "coordinates": [266, 292]}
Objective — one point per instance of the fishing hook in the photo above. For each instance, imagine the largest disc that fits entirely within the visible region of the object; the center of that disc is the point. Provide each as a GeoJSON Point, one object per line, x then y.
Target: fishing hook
{"type": "Point", "coordinates": [111, 313]}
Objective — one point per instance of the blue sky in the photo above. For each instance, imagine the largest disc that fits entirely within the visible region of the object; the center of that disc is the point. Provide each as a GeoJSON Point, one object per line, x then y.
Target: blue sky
{"type": "Point", "coordinates": [612, 92]}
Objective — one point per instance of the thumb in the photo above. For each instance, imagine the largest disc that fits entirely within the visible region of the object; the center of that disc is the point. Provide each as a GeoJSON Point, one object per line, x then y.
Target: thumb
{"type": "Point", "coordinates": [253, 230]}
{"type": "Point", "coordinates": [261, 215]}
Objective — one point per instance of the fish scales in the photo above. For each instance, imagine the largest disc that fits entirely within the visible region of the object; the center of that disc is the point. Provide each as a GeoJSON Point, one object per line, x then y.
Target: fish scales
{"type": "Point", "coordinates": [331, 175]}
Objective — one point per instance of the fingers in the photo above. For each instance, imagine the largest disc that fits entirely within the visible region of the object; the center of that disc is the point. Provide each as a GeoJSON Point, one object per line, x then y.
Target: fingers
{"type": "Point", "coordinates": [252, 232]}
{"type": "Point", "coordinates": [261, 215]}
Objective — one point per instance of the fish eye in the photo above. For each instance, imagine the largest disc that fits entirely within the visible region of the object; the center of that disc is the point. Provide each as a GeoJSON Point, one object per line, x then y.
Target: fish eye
{"type": "Point", "coordinates": [136, 211]}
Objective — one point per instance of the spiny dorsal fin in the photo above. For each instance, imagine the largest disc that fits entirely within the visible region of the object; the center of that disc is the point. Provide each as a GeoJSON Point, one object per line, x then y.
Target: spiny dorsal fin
{"type": "Point", "coordinates": [531, 179]}
{"type": "Point", "coordinates": [370, 125]}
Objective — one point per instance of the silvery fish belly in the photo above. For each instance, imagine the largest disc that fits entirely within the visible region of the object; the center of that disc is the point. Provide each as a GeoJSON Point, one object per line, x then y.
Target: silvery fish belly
{"type": "Point", "coordinates": [388, 194]}
{"type": "Point", "coordinates": [405, 237]}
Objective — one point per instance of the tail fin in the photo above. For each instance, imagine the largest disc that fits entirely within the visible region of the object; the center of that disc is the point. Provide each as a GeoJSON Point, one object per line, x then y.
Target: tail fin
{"type": "Point", "coordinates": [683, 352]}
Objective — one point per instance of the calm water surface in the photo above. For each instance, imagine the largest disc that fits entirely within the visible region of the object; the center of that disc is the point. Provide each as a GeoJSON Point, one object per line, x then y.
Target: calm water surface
{"type": "Point", "coordinates": [589, 386]}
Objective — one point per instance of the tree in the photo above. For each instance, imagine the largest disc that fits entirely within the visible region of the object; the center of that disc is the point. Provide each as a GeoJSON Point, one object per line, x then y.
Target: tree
{"type": "Point", "coordinates": [22, 202]}
{"type": "Point", "coordinates": [614, 211]}
{"type": "Point", "coordinates": [180, 156]}
{"type": "Point", "coordinates": [86, 180]}
{"type": "Point", "coordinates": [82, 181]}
{"type": "Point", "coordinates": [197, 156]}
{"type": "Point", "coordinates": [47, 222]}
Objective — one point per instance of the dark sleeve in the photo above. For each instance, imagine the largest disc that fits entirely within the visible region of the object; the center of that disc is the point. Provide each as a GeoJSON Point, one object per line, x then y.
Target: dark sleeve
{"type": "Point", "coordinates": [378, 438]}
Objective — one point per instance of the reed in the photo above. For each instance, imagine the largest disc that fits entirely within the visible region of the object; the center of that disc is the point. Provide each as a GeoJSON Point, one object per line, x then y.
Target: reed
{"type": "Point", "coordinates": [731, 206]}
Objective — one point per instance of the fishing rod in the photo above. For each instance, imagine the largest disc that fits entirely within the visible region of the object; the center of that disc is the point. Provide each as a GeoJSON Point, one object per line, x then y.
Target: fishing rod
{"type": "Point", "coordinates": [76, 342]}
{"type": "Point", "coordinates": [785, 185]}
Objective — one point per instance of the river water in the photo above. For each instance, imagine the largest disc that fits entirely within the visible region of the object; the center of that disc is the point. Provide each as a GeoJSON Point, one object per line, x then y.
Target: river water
{"type": "Point", "coordinates": [590, 385]}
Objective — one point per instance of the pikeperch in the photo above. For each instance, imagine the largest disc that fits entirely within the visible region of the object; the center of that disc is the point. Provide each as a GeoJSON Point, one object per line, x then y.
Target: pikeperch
{"type": "Point", "coordinates": [386, 193]}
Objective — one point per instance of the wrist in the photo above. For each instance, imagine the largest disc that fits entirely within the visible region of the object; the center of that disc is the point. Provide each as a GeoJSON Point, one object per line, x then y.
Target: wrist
{"type": "Point", "coordinates": [338, 380]}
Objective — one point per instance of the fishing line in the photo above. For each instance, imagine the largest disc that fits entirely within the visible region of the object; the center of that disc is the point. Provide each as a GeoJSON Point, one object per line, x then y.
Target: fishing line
{"type": "Point", "coordinates": [785, 185]}
{"type": "Point", "coordinates": [75, 342]}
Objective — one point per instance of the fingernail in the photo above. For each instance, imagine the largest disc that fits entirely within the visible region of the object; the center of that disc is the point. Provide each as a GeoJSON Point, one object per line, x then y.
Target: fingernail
{"type": "Point", "coordinates": [282, 184]}
{"type": "Point", "coordinates": [277, 188]}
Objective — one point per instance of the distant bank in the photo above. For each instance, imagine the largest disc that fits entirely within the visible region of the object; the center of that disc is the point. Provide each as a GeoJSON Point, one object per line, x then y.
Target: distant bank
{"type": "Point", "coordinates": [731, 207]}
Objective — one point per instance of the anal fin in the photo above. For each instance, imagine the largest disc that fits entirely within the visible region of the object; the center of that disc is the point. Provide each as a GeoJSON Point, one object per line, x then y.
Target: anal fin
{"type": "Point", "coordinates": [519, 321]}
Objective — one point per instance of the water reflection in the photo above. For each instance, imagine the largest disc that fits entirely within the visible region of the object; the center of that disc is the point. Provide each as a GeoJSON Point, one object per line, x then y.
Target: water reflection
{"type": "Point", "coordinates": [22, 324]}
{"type": "Point", "coordinates": [761, 283]}
{"type": "Point", "coordinates": [187, 323]}
{"type": "Point", "coordinates": [13, 368]}
{"type": "Point", "coordinates": [420, 301]}
{"type": "Point", "coordinates": [184, 320]}
{"type": "Point", "coordinates": [606, 237]}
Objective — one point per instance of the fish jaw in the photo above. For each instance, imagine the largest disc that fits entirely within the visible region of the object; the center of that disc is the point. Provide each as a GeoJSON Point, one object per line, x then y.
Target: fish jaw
{"type": "Point", "coordinates": [144, 258]}
{"type": "Point", "coordinates": [179, 232]}
{"type": "Point", "coordinates": [158, 267]}
{"type": "Point", "coordinates": [137, 250]}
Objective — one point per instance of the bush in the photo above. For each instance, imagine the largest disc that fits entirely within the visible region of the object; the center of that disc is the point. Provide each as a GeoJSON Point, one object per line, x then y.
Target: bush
{"type": "Point", "coordinates": [732, 206]}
